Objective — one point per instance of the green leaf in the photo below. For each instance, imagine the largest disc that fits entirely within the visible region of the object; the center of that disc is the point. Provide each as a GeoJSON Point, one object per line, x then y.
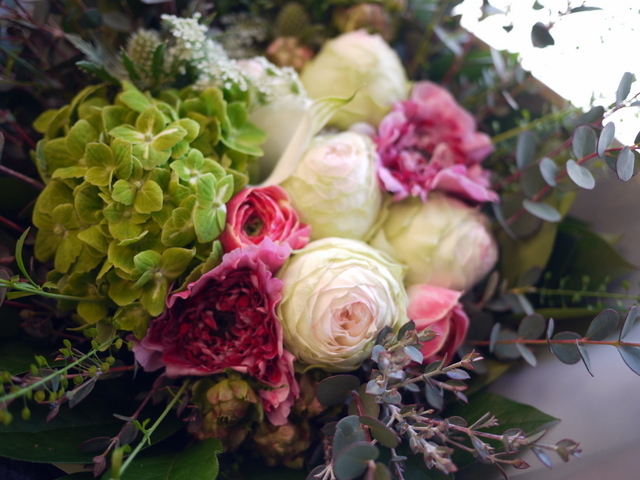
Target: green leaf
{"type": "Point", "coordinates": [128, 133]}
{"type": "Point", "coordinates": [175, 261]}
{"type": "Point", "coordinates": [566, 352]}
{"type": "Point", "coordinates": [532, 326]}
{"type": "Point", "coordinates": [542, 210]}
{"type": "Point", "coordinates": [98, 72]}
{"type": "Point", "coordinates": [191, 127]}
{"type": "Point", "coordinates": [150, 121]}
{"type": "Point", "coordinates": [525, 149]}
{"type": "Point", "coordinates": [154, 296]}
{"type": "Point", "coordinates": [335, 390]}
{"type": "Point", "coordinates": [208, 223]}
{"type": "Point", "coordinates": [134, 98]}
{"type": "Point", "coordinates": [124, 192]}
{"type": "Point", "coordinates": [197, 461]}
{"type": "Point", "coordinates": [383, 434]}
{"type": "Point", "coordinates": [122, 292]}
{"type": "Point", "coordinates": [178, 230]}
{"type": "Point", "coordinates": [606, 137]}
{"type": "Point", "coordinates": [353, 460]}
{"type": "Point", "coordinates": [205, 189]}
{"type": "Point", "coordinates": [580, 175]}
{"type": "Point", "coordinates": [78, 137]}
{"type": "Point", "coordinates": [128, 64]}
{"type": "Point", "coordinates": [584, 141]}
{"type": "Point", "coordinates": [224, 190]}
{"type": "Point", "coordinates": [604, 324]}
{"type": "Point", "coordinates": [157, 62]}
{"type": "Point", "coordinates": [18, 257]}
{"type": "Point", "coordinates": [624, 88]}
{"type": "Point", "coordinates": [147, 260]}
{"type": "Point", "coordinates": [149, 198]}
{"type": "Point", "coordinates": [509, 413]}
{"type": "Point", "coordinates": [41, 123]}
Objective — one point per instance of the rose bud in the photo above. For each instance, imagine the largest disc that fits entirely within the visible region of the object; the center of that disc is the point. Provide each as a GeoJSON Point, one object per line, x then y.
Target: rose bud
{"type": "Point", "coordinates": [256, 213]}
{"type": "Point", "coordinates": [230, 398]}
{"type": "Point", "coordinates": [338, 295]}
{"type": "Point", "coordinates": [284, 444]}
{"type": "Point", "coordinates": [443, 242]}
{"type": "Point", "coordinates": [438, 309]}
{"type": "Point", "coordinates": [334, 187]}
{"type": "Point", "coordinates": [362, 63]}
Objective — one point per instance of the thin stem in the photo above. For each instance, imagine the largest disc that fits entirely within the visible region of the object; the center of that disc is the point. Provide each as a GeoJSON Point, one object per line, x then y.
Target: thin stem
{"type": "Point", "coordinates": [514, 132]}
{"type": "Point", "coordinates": [543, 341]}
{"type": "Point", "coordinates": [12, 396]}
{"type": "Point", "coordinates": [570, 293]}
{"type": "Point", "coordinates": [28, 180]}
{"type": "Point", "coordinates": [26, 287]}
{"type": "Point", "coordinates": [10, 224]}
{"type": "Point", "coordinates": [147, 434]}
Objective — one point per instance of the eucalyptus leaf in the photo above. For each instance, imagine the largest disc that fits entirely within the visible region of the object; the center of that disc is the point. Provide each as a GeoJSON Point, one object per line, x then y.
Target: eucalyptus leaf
{"type": "Point", "coordinates": [566, 352]}
{"type": "Point", "coordinates": [606, 137]}
{"type": "Point", "coordinates": [631, 356]}
{"type": "Point", "coordinates": [604, 324]}
{"type": "Point", "coordinates": [580, 175]}
{"type": "Point", "coordinates": [625, 164]}
{"type": "Point", "coordinates": [507, 351]}
{"type": "Point", "coordinates": [542, 211]}
{"type": "Point", "coordinates": [353, 460]}
{"type": "Point", "coordinates": [527, 354]}
{"type": "Point", "coordinates": [585, 357]}
{"type": "Point", "coordinates": [348, 431]}
{"type": "Point", "coordinates": [628, 322]}
{"type": "Point", "coordinates": [525, 149]}
{"type": "Point", "coordinates": [532, 326]}
{"type": "Point", "coordinates": [336, 389]}
{"type": "Point", "coordinates": [584, 141]}
{"type": "Point", "coordinates": [549, 171]}
{"type": "Point", "coordinates": [383, 434]}
{"type": "Point", "coordinates": [624, 87]}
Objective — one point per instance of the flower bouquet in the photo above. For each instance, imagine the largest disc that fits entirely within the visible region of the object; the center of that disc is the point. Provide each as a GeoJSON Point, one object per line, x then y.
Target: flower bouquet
{"type": "Point", "coordinates": [262, 238]}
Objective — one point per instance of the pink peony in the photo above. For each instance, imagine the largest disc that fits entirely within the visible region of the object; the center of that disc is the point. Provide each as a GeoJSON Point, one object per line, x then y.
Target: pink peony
{"type": "Point", "coordinates": [438, 308]}
{"type": "Point", "coordinates": [256, 213]}
{"type": "Point", "coordinates": [227, 319]}
{"type": "Point", "coordinates": [428, 143]}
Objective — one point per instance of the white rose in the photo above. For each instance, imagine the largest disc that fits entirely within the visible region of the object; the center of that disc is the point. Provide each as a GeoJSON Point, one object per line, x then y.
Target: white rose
{"type": "Point", "coordinates": [338, 295]}
{"type": "Point", "coordinates": [444, 242]}
{"type": "Point", "coordinates": [334, 187]}
{"type": "Point", "coordinates": [357, 61]}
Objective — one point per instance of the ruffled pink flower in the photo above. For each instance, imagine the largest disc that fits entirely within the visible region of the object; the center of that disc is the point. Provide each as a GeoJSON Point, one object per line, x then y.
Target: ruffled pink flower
{"type": "Point", "coordinates": [438, 308]}
{"type": "Point", "coordinates": [227, 319]}
{"type": "Point", "coordinates": [430, 143]}
{"type": "Point", "coordinates": [259, 212]}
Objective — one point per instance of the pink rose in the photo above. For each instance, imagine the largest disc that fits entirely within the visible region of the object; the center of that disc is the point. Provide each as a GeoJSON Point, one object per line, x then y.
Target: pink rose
{"type": "Point", "coordinates": [438, 308]}
{"type": "Point", "coordinates": [227, 319]}
{"type": "Point", "coordinates": [256, 213]}
{"type": "Point", "coordinates": [430, 142]}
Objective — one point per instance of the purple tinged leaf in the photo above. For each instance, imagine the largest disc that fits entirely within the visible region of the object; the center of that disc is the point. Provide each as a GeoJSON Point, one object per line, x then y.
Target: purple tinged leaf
{"type": "Point", "coordinates": [79, 393]}
{"type": "Point", "coordinates": [495, 331]}
{"type": "Point", "coordinates": [128, 433]}
{"type": "Point", "coordinates": [413, 353]}
{"type": "Point", "coordinates": [629, 321]}
{"type": "Point", "coordinates": [434, 396]}
{"type": "Point", "coordinates": [566, 352]}
{"type": "Point", "coordinates": [606, 137]}
{"type": "Point", "coordinates": [97, 444]}
{"type": "Point", "coordinates": [542, 456]}
{"type": "Point", "coordinates": [458, 374]}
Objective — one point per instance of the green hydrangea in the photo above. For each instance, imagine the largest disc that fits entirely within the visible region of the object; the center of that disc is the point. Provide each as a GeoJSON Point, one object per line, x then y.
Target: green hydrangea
{"type": "Point", "coordinates": [135, 196]}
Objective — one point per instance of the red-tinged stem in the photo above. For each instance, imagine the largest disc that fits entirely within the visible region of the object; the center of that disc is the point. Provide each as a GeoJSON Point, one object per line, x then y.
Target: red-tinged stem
{"type": "Point", "coordinates": [11, 303]}
{"type": "Point", "coordinates": [24, 135]}
{"type": "Point", "coordinates": [361, 412]}
{"type": "Point", "coordinates": [561, 175]}
{"type": "Point", "coordinates": [10, 224]}
{"type": "Point", "coordinates": [28, 180]}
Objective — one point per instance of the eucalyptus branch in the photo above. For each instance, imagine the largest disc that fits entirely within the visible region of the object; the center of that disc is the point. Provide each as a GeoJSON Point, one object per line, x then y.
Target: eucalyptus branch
{"type": "Point", "coordinates": [544, 341]}
{"type": "Point", "coordinates": [544, 190]}
{"type": "Point", "coordinates": [148, 432]}
{"type": "Point", "coordinates": [548, 292]}
{"type": "Point", "coordinates": [6, 399]}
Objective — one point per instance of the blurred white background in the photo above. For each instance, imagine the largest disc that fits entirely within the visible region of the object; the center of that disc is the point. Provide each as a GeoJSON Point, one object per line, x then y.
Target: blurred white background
{"type": "Point", "coordinates": [592, 50]}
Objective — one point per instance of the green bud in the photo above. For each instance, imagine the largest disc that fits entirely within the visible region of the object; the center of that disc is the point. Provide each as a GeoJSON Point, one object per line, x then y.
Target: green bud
{"type": "Point", "coordinates": [119, 343]}
{"type": "Point", "coordinates": [34, 369]}
{"type": "Point", "coordinates": [39, 396]}
{"type": "Point", "coordinates": [61, 393]}
{"type": "Point", "coordinates": [66, 352]}
{"type": "Point", "coordinates": [66, 343]}
{"type": "Point", "coordinates": [104, 367]}
{"type": "Point", "coordinates": [90, 332]}
{"type": "Point", "coordinates": [110, 360]}
{"type": "Point", "coordinates": [52, 396]}
{"type": "Point", "coordinates": [92, 371]}
{"type": "Point", "coordinates": [77, 379]}
{"type": "Point", "coordinates": [26, 413]}
{"type": "Point", "coordinates": [64, 382]}
{"type": "Point", "coordinates": [94, 344]}
{"type": "Point", "coordinates": [6, 418]}
{"type": "Point", "coordinates": [29, 394]}
{"type": "Point", "coordinates": [41, 360]}
{"type": "Point", "coordinates": [130, 346]}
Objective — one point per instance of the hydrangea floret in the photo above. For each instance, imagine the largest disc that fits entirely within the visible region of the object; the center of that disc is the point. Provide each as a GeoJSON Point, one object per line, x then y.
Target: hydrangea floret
{"type": "Point", "coordinates": [136, 195]}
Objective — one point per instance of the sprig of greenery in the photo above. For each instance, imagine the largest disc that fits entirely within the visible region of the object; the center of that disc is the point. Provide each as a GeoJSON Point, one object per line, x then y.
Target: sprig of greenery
{"type": "Point", "coordinates": [117, 466]}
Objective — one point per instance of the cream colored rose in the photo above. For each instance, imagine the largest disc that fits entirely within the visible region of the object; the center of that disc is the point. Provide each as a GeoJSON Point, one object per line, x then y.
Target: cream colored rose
{"type": "Point", "coordinates": [444, 242]}
{"type": "Point", "coordinates": [357, 61]}
{"type": "Point", "coordinates": [334, 187]}
{"type": "Point", "coordinates": [338, 295]}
